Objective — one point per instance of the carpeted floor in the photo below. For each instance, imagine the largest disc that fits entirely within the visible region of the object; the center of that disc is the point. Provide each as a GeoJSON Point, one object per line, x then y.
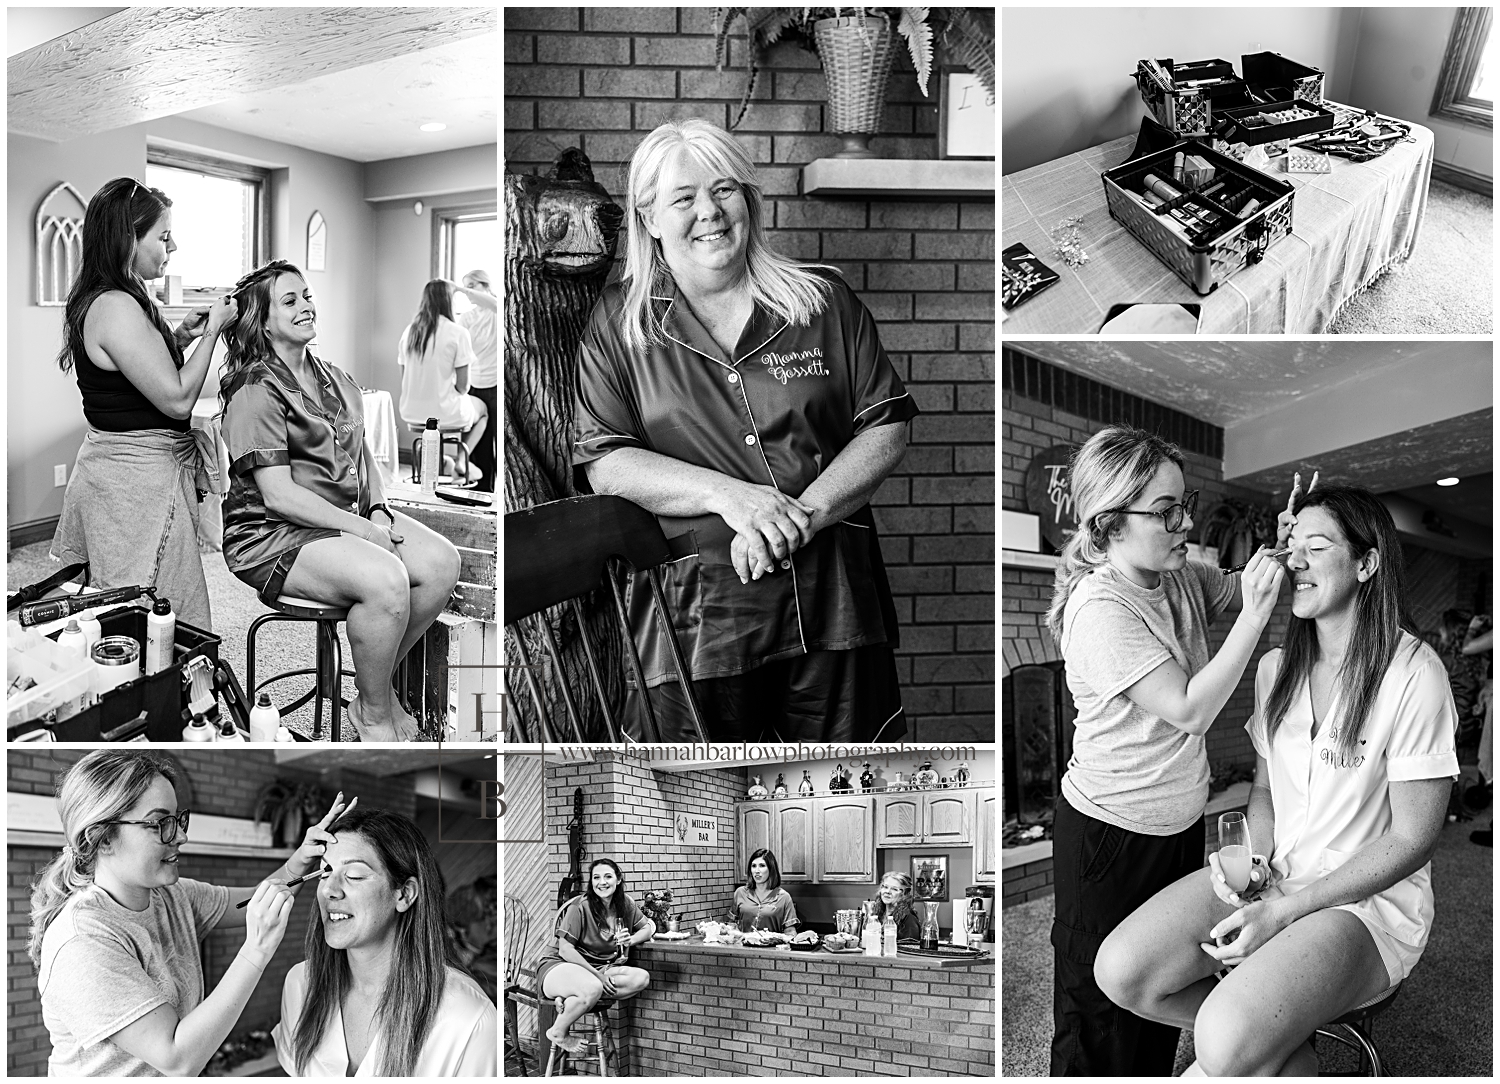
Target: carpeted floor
{"type": "Point", "coordinates": [1440, 1024]}
{"type": "Point", "coordinates": [1446, 288]}
{"type": "Point", "coordinates": [280, 646]}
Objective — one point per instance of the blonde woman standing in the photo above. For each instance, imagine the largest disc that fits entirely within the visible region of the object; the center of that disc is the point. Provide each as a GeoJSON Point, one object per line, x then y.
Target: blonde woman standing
{"type": "Point", "coordinates": [1130, 614]}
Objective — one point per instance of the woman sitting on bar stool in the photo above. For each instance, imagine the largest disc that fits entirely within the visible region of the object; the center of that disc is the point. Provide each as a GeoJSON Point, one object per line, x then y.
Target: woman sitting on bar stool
{"type": "Point", "coordinates": [305, 516]}
{"type": "Point", "coordinates": [587, 961]}
{"type": "Point", "coordinates": [436, 355]}
{"type": "Point", "coordinates": [1130, 614]}
{"type": "Point", "coordinates": [761, 903]}
{"type": "Point", "coordinates": [897, 897]}
{"type": "Point", "coordinates": [1354, 739]}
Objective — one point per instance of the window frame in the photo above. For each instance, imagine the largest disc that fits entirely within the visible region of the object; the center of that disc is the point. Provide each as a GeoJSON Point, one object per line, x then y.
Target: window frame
{"type": "Point", "coordinates": [260, 180]}
{"type": "Point", "coordinates": [1466, 42]}
{"type": "Point", "coordinates": [443, 221]}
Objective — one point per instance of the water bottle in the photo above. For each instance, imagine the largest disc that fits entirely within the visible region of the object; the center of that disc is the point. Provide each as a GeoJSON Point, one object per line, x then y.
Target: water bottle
{"type": "Point", "coordinates": [264, 719]}
{"type": "Point", "coordinates": [888, 936]}
{"type": "Point", "coordinates": [198, 730]}
{"type": "Point", "coordinates": [161, 637]}
{"type": "Point", "coordinates": [870, 940]}
{"type": "Point", "coordinates": [432, 456]}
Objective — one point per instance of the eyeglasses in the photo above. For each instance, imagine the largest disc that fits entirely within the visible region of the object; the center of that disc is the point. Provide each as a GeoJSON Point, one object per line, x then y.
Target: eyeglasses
{"type": "Point", "coordinates": [1171, 516]}
{"type": "Point", "coordinates": [167, 827]}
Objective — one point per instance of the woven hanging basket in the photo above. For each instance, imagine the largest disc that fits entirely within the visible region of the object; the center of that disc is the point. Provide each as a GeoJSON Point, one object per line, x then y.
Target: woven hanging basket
{"type": "Point", "coordinates": [856, 55]}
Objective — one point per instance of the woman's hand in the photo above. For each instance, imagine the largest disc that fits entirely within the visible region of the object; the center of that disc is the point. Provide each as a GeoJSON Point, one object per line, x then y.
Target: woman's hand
{"type": "Point", "coordinates": [1260, 877]}
{"type": "Point", "coordinates": [221, 315]}
{"type": "Point", "coordinates": [610, 989]}
{"type": "Point", "coordinates": [1260, 586]}
{"type": "Point", "coordinates": [774, 525]}
{"type": "Point", "coordinates": [384, 537]}
{"type": "Point", "coordinates": [1256, 923]}
{"type": "Point", "coordinates": [316, 839]}
{"type": "Point", "coordinates": [265, 921]}
{"type": "Point", "coordinates": [745, 564]}
{"type": "Point", "coordinates": [1287, 519]}
{"type": "Point", "coordinates": [192, 326]}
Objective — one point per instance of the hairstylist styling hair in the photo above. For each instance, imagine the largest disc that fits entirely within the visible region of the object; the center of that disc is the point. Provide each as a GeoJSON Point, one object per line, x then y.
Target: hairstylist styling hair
{"type": "Point", "coordinates": [1130, 614]}
{"type": "Point", "coordinates": [747, 402]}
{"type": "Point", "coordinates": [115, 929]}
{"type": "Point", "coordinates": [131, 508]}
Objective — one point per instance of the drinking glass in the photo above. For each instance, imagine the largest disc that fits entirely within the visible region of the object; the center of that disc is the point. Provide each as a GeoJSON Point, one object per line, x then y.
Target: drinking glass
{"type": "Point", "coordinates": [1234, 850]}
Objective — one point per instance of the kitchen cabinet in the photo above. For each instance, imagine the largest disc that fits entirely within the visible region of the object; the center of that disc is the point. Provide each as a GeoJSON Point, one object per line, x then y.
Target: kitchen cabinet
{"type": "Point", "coordinates": [846, 839]}
{"type": "Point", "coordinates": [942, 818]}
{"type": "Point", "coordinates": [985, 849]}
{"type": "Point", "coordinates": [786, 828]}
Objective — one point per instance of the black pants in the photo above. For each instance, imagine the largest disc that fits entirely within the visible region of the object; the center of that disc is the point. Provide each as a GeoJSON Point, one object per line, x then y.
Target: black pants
{"type": "Point", "coordinates": [483, 455]}
{"type": "Point", "coordinates": [1102, 874]}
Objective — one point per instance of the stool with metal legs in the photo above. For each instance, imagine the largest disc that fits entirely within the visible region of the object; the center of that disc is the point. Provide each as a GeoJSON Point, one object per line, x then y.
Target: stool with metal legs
{"type": "Point", "coordinates": [1353, 1030]}
{"type": "Point", "coordinates": [327, 673]}
{"type": "Point", "coordinates": [602, 1039]}
{"type": "Point", "coordinates": [446, 437]}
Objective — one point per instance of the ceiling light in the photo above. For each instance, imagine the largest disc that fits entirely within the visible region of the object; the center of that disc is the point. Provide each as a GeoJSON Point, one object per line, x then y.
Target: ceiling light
{"type": "Point", "coordinates": [1447, 481]}
{"type": "Point", "coordinates": [434, 126]}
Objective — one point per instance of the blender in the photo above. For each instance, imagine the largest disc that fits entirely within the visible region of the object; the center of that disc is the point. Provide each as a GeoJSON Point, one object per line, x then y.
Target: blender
{"type": "Point", "coordinates": [978, 913]}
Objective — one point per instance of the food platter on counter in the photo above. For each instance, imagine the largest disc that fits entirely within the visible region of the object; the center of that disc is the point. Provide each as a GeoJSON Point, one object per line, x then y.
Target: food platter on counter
{"type": "Point", "coordinates": [947, 952]}
{"type": "Point", "coordinates": [680, 936]}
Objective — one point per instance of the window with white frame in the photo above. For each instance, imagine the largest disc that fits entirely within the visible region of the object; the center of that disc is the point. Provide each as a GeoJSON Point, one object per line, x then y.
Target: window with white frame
{"type": "Point", "coordinates": [465, 239]}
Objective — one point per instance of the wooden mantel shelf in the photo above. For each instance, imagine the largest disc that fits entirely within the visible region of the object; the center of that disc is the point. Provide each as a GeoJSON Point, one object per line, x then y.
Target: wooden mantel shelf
{"type": "Point", "coordinates": [952, 178]}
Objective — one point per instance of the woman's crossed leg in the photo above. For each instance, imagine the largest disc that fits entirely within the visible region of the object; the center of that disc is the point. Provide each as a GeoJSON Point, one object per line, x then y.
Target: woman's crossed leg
{"type": "Point", "coordinates": [1257, 1021]}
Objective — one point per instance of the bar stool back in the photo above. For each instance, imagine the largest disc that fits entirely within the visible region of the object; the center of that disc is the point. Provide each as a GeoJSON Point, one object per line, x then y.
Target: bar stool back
{"type": "Point", "coordinates": [1353, 1030]}
{"type": "Point", "coordinates": [327, 685]}
{"type": "Point", "coordinates": [517, 934]}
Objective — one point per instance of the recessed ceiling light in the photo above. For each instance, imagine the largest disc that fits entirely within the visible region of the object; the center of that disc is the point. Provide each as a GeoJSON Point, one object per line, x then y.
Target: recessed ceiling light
{"type": "Point", "coordinates": [435, 126]}
{"type": "Point", "coordinates": [1447, 481]}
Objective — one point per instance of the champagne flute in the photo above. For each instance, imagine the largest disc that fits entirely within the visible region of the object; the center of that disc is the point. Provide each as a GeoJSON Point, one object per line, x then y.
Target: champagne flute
{"type": "Point", "coordinates": [1234, 850]}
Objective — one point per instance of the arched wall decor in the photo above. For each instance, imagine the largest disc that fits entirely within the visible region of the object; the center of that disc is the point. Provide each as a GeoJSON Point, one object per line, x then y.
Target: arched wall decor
{"type": "Point", "coordinates": [59, 247]}
{"type": "Point", "coordinates": [317, 242]}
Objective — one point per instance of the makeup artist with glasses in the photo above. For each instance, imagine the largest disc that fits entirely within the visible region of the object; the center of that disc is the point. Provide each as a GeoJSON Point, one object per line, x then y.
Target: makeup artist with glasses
{"type": "Point", "coordinates": [1130, 614]}
{"type": "Point", "coordinates": [131, 507]}
{"type": "Point", "coordinates": [115, 929]}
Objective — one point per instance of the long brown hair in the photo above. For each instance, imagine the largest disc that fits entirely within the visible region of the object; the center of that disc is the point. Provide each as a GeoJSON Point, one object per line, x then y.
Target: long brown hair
{"type": "Point", "coordinates": [419, 967]}
{"type": "Point", "coordinates": [246, 341]}
{"type": "Point", "coordinates": [1379, 615]}
{"type": "Point", "coordinates": [99, 788]}
{"type": "Point", "coordinates": [437, 301]}
{"type": "Point", "coordinates": [120, 214]}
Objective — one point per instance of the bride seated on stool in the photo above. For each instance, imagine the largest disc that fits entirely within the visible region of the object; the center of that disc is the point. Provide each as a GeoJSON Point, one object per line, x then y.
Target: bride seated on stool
{"type": "Point", "coordinates": [305, 515]}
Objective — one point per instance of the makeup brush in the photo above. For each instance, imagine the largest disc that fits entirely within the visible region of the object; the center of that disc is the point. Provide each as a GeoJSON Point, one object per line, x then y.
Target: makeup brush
{"type": "Point", "coordinates": [1241, 568]}
{"type": "Point", "coordinates": [294, 882]}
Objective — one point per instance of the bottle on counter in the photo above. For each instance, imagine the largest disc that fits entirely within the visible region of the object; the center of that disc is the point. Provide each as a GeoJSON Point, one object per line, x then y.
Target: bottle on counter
{"type": "Point", "coordinates": [264, 719]}
{"type": "Point", "coordinates": [432, 456]}
{"type": "Point", "coordinates": [888, 936]}
{"type": "Point", "coordinates": [161, 636]}
{"type": "Point", "coordinates": [198, 730]}
{"type": "Point", "coordinates": [870, 940]}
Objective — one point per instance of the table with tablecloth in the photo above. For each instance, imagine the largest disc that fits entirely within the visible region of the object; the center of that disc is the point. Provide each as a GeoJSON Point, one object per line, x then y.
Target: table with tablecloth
{"type": "Point", "coordinates": [380, 436]}
{"type": "Point", "coordinates": [1348, 228]}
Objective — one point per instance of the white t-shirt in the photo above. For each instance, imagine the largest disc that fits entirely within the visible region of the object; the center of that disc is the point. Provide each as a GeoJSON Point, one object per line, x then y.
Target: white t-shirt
{"type": "Point", "coordinates": [1130, 768]}
{"type": "Point", "coordinates": [462, 1041]}
{"type": "Point", "coordinates": [479, 322]}
{"type": "Point", "coordinates": [428, 388]}
{"type": "Point", "coordinates": [1328, 809]}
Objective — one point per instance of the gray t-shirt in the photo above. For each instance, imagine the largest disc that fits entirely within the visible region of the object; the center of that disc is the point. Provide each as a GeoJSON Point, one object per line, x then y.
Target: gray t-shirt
{"type": "Point", "coordinates": [1131, 768]}
{"type": "Point", "coordinates": [105, 966]}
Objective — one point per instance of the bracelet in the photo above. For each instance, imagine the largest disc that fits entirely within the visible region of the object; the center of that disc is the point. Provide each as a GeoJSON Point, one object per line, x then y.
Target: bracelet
{"type": "Point", "coordinates": [381, 508]}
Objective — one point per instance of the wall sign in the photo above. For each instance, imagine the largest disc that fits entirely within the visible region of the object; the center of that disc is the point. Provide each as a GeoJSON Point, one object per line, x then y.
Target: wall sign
{"type": "Point", "coordinates": [59, 243]}
{"type": "Point", "coordinates": [966, 117]}
{"type": "Point", "coordinates": [1048, 496]}
{"type": "Point", "coordinates": [696, 830]}
{"type": "Point", "coordinates": [317, 242]}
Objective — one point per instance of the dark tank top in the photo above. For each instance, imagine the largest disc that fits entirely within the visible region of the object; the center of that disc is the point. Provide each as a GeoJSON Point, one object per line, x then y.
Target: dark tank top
{"type": "Point", "coordinates": [113, 404]}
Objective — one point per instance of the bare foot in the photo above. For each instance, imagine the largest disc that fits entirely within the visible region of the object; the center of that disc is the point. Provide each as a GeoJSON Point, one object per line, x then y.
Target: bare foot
{"type": "Point", "coordinates": [370, 731]}
{"type": "Point", "coordinates": [566, 1041]}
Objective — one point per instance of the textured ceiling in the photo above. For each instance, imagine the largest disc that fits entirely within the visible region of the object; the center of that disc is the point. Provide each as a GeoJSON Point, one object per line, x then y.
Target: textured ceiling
{"type": "Point", "coordinates": [356, 82]}
{"type": "Point", "coordinates": [1225, 382]}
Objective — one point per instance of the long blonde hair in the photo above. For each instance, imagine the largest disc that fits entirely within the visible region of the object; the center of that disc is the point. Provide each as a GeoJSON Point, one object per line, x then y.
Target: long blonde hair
{"type": "Point", "coordinates": [1108, 473]}
{"type": "Point", "coordinates": [788, 289]}
{"type": "Point", "coordinates": [101, 787]}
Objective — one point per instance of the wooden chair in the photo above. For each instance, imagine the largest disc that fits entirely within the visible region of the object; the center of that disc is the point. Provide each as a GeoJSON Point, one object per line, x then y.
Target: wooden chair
{"type": "Point", "coordinates": [518, 989]}
{"type": "Point", "coordinates": [558, 551]}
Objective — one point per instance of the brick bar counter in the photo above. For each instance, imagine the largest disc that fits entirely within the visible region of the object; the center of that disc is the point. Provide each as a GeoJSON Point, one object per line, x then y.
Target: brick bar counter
{"type": "Point", "coordinates": [719, 1010]}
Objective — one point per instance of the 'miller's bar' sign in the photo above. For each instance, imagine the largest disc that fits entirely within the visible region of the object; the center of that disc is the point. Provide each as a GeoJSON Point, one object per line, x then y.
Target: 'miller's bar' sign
{"type": "Point", "coordinates": [696, 830]}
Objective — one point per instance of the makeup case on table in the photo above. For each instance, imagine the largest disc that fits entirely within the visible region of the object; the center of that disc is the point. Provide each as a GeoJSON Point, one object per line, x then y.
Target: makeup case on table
{"type": "Point", "coordinates": [1181, 96]}
{"type": "Point", "coordinates": [1200, 233]}
{"type": "Point", "coordinates": [1276, 100]}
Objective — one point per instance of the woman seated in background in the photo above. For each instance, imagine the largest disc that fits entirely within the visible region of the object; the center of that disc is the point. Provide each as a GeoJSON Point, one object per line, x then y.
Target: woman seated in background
{"type": "Point", "coordinates": [761, 903]}
{"type": "Point", "coordinates": [115, 930]}
{"type": "Point", "coordinates": [587, 960]}
{"type": "Point", "coordinates": [435, 354]}
{"type": "Point", "coordinates": [378, 994]}
{"type": "Point", "coordinates": [473, 920]}
{"type": "Point", "coordinates": [305, 515]}
{"type": "Point", "coordinates": [897, 898]}
{"type": "Point", "coordinates": [1353, 731]}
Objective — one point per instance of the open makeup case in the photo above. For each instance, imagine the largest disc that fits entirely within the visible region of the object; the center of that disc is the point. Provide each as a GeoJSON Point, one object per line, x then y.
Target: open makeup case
{"type": "Point", "coordinates": [1277, 99]}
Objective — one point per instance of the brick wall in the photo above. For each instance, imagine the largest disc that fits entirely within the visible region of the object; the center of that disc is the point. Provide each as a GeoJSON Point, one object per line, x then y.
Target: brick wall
{"type": "Point", "coordinates": [602, 78]}
{"type": "Point", "coordinates": [224, 783]}
{"type": "Point", "coordinates": [712, 1014]}
{"type": "Point", "coordinates": [1029, 427]}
